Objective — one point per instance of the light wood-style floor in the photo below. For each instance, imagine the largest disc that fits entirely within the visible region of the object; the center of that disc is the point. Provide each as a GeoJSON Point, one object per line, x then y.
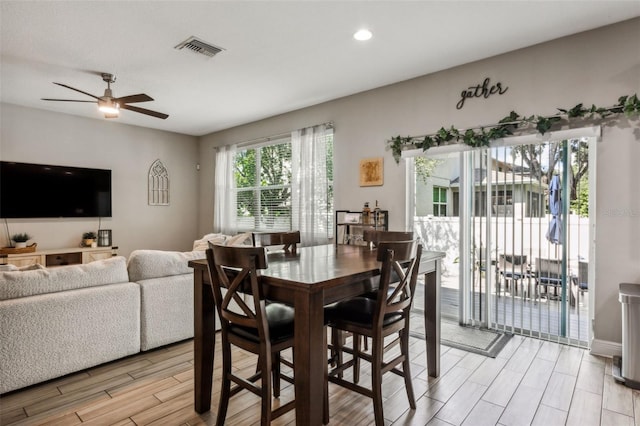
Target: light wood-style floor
{"type": "Point", "coordinates": [530, 382]}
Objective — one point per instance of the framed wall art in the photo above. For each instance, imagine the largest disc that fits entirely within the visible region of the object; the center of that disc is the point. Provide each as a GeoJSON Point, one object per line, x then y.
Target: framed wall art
{"type": "Point", "coordinates": [371, 171]}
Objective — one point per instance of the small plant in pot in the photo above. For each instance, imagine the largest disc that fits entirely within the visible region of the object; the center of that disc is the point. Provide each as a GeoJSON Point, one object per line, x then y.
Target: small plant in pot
{"type": "Point", "coordinates": [88, 238]}
{"type": "Point", "coordinates": [20, 240]}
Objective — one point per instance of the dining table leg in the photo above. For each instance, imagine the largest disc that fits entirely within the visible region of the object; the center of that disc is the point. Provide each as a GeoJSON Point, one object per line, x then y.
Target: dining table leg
{"type": "Point", "coordinates": [432, 319]}
{"type": "Point", "coordinates": [310, 357]}
{"type": "Point", "coordinates": [203, 341]}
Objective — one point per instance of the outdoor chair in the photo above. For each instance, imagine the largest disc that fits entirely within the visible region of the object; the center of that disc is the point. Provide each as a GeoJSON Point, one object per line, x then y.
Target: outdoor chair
{"type": "Point", "coordinates": [377, 319]}
{"type": "Point", "coordinates": [549, 273]}
{"type": "Point", "coordinates": [512, 268]}
{"type": "Point", "coordinates": [481, 260]}
{"type": "Point", "coordinates": [289, 240]}
{"type": "Point", "coordinates": [249, 324]}
{"type": "Point", "coordinates": [583, 277]}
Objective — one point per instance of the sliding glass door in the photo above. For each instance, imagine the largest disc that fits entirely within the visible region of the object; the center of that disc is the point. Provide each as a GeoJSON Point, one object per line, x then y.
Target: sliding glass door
{"type": "Point", "coordinates": [514, 221]}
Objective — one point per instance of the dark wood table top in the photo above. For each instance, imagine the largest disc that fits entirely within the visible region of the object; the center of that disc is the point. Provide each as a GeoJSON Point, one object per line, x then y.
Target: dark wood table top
{"type": "Point", "coordinates": [324, 266]}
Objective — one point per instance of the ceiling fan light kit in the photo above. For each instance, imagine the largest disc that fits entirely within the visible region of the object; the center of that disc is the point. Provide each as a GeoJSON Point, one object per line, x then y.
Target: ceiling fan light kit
{"type": "Point", "coordinates": [110, 105]}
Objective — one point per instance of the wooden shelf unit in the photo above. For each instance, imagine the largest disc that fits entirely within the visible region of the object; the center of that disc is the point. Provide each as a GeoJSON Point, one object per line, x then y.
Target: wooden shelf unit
{"type": "Point", "coordinates": [60, 257]}
{"type": "Point", "coordinates": [350, 225]}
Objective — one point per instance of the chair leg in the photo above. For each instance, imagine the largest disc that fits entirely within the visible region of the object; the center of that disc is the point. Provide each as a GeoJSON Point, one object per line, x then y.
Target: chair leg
{"type": "Point", "coordinates": [376, 381]}
{"type": "Point", "coordinates": [276, 375]}
{"type": "Point", "coordinates": [406, 366]}
{"type": "Point", "coordinates": [336, 342]}
{"type": "Point", "coordinates": [265, 371]}
{"type": "Point", "coordinates": [225, 391]}
{"type": "Point", "coordinates": [325, 396]}
{"type": "Point", "coordinates": [356, 358]}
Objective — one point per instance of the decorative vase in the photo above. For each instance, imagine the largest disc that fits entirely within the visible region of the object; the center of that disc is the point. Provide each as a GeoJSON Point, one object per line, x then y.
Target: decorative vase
{"type": "Point", "coordinates": [88, 242]}
{"type": "Point", "coordinates": [21, 244]}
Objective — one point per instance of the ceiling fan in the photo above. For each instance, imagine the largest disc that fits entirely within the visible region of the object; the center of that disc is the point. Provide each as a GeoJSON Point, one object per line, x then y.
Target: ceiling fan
{"type": "Point", "coordinates": [110, 105]}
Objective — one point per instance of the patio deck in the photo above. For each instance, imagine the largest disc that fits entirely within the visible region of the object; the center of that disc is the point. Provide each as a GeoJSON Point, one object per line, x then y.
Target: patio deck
{"type": "Point", "coordinates": [538, 317]}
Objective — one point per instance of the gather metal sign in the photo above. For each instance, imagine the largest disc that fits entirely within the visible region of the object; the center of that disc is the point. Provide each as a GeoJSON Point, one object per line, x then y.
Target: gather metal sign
{"type": "Point", "coordinates": [483, 90]}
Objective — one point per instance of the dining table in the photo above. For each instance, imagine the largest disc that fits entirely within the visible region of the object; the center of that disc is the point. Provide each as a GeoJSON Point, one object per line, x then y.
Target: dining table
{"type": "Point", "coordinates": [310, 279]}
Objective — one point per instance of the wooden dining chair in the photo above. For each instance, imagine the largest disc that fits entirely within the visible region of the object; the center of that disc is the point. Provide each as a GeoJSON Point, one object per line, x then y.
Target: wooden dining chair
{"type": "Point", "coordinates": [249, 324]}
{"type": "Point", "coordinates": [378, 319]}
{"type": "Point", "coordinates": [374, 236]}
{"type": "Point", "coordinates": [289, 240]}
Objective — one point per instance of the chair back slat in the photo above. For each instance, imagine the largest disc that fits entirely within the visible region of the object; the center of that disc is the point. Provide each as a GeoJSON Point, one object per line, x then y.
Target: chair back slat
{"type": "Point", "coordinates": [583, 274]}
{"type": "Point", "coordinates": [549, 268]}
{"type": "Point", "coordinates": [400, 261]}
{"type": "Point", "coordinates": [375, 236]}
{"type": "Point", "coordinates": [236, 269]}
{"type": "Point", "coordinates": [289, 240]}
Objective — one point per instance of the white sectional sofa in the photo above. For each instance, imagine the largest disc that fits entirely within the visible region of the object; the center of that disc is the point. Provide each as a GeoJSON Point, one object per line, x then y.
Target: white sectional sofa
{"type": "Point", "coordinates": [59, 320]}
{"type": "Point", "coordinates": [166, 295]}
{"type": "Point", "coordinates": [55, 321]}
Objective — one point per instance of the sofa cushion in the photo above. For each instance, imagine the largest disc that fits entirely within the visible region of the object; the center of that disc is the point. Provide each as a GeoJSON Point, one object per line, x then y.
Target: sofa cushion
{"type": "Point", "coordinates": [166, 310]}
{"type": "Point", "coordinates": [148, 264]}
{"type": "Point", "coordinates": [15, 284]}
{"type": "Point", "coordinates": [203, 243]}
{"type": "Point", "coordinates": [244, 239]}
{"type": "Point", "coordinates": [50, 335]}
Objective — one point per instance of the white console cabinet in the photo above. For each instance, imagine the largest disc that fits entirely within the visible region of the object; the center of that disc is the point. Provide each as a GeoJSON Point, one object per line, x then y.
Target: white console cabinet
{"type": "Point", "coordinates": [60, 257]}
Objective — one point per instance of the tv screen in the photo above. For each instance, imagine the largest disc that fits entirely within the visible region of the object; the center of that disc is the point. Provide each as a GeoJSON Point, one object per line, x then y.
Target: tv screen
{"type": "Point", "coordinates": [46, 191]}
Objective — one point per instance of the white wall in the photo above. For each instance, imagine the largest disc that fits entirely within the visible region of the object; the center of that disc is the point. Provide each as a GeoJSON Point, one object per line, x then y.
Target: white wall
{"type": "Point", "coordinates": [38, 136]}
{"type": "Point", "coordinates": [592, 67]}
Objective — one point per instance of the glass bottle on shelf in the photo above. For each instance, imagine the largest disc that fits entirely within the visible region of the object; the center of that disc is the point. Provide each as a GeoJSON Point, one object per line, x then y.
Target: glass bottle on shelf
{"type": "Point", "coordinates": [366, 212]}
{"type": "Point", "coordinates": [376, 215]}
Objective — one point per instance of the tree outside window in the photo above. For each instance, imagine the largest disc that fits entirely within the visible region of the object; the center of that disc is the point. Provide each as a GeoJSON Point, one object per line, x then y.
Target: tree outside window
{"type": "Point", "coordinates": [263, 182]}
{"type": "Point", "coordinates": [263, 177]}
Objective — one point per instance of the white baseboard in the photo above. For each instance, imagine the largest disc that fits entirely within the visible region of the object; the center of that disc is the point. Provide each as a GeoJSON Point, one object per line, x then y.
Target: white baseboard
{"type": "Point", "coordinates": [606, 348]}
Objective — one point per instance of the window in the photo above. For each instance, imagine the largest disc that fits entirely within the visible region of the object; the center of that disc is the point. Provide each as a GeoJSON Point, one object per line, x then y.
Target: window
{"type": "Point", "coordinates": [439, 201]}
{"type": "Point", "coordinates": [264, 184]}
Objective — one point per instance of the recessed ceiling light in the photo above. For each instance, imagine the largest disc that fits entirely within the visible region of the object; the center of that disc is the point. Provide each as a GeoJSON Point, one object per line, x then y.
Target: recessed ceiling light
{"type": "Point", "coordinates": [363, 35]}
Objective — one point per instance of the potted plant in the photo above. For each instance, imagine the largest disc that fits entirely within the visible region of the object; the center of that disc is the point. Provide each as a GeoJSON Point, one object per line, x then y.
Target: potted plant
{"type": "Point", "coordinates": [89, 238]}
{"type": "Point", "coordinates": [20, 240]}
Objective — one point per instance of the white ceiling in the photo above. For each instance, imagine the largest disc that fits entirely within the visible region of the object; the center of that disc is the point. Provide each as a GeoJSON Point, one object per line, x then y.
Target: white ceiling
{"type": "Point", "coordinates": [279, 55]}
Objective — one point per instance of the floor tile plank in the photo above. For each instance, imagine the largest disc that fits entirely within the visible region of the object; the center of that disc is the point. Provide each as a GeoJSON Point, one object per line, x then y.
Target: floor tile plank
{"type": "Point", "coordinates": [529, 382]}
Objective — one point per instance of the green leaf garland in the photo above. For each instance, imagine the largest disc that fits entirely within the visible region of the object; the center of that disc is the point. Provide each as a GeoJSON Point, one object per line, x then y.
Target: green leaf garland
{"type": "Point", "coordinates": [478, 137]}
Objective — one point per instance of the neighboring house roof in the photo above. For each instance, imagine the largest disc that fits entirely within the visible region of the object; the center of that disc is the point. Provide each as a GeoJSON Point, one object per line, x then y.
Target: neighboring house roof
{"type": "Point", "coordinates": [501, 178]}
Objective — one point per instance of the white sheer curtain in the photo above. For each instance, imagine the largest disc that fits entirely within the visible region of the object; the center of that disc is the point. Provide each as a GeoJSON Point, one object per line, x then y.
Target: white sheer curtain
{"type": "Point", "coordinates": [224, 204]}
{"type": "Point", "coordinates": [309, 184]}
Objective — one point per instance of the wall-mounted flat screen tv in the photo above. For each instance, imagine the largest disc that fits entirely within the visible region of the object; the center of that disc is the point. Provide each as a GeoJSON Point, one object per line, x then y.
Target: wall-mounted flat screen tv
{"type": "Point", "coordinates": [47, 191]}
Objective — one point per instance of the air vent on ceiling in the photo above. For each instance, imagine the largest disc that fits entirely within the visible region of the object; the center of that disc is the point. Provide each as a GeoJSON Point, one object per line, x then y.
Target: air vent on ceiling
{"type": "Point", "coordinates": [199, 46]}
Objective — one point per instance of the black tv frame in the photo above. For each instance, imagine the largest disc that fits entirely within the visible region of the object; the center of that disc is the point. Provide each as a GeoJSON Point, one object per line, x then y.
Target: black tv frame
{"type": "Point", "coordinates": [39, 191]}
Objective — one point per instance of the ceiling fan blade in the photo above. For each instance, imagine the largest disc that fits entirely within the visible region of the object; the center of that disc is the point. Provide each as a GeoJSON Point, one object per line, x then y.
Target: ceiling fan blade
{"type": "Point", "coordinates": [67, 100]}
{"type": "Point", "coordinates": [131, 99]}
{"type": "Point", "coordinates": [144, 111]}
{"type": "Point", "coordinates": [77, 90]}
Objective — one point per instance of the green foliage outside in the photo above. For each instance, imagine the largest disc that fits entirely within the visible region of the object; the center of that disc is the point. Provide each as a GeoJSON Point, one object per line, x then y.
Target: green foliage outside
{"type": "Point", "coordinates": [581, 204]}
{"type": "Point", "coordinates": [267, 197]}
{"type": "Point", "coordinates": [425, 166]}
{"type": "Point", "coordinates": [532, 157]}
